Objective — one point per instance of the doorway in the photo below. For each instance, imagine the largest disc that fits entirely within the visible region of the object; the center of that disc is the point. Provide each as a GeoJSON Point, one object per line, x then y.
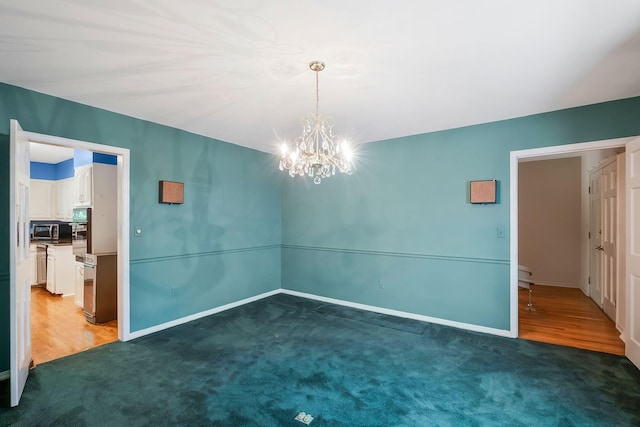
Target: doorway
{"type": "Point", "coordinates": [58, 324]}
{"type": "Point", "coordinates": [554, 194]}
{"type": "Point", "coordinates": [123, 184]}
{"type": "Point", "coordinates": [538, 154]}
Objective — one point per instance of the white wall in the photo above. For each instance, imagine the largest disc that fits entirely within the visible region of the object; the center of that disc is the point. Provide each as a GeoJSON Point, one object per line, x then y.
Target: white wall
{"type": "Point", "coordinates": [550, 220]}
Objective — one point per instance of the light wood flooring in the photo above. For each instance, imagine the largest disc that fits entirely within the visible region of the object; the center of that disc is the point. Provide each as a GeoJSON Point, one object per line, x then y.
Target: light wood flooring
{"type": "Point", "coordinates": [566, 316]}
{"type": "Point", "coordinates": [59, 328]}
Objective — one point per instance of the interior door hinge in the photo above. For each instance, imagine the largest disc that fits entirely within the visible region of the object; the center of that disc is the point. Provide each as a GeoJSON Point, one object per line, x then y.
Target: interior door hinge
{"type": "Point", "coordinates": [589, 189]}
{"type": "Point", "coordinates": [589, 235]}
{"type": "Point", "coordinates": [589, 279]}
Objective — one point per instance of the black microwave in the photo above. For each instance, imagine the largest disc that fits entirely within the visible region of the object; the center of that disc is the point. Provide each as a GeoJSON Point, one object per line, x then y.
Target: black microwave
{"type": "Point", "coordinates": [51, 231]}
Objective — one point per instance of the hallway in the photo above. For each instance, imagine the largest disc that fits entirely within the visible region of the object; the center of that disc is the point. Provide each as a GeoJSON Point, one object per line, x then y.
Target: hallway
{"type": "Point", "coordinates": [566, 316]}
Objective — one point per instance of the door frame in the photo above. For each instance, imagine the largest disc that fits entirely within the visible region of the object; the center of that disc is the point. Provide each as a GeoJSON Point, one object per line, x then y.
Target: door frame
{"type": "Point", "coordinates": [123, 192]}
{"type": "Point", "coordinates": [542, 153]}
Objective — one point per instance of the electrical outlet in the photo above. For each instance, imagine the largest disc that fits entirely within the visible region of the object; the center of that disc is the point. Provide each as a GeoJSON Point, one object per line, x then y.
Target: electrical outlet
{"type": "Point", "coordinates": [380, 284]}
{"type": "Point", "coordinates": [174, 292]}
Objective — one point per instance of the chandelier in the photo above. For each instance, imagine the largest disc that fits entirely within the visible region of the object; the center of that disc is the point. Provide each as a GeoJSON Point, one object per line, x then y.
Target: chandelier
{"type": "Point", "coordinates": [316, 153]}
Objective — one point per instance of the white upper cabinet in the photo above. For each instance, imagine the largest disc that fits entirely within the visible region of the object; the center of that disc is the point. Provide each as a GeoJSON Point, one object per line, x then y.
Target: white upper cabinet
{"type": "Point", "coordinates": [64, 197]}
{"type": "Point", "coordinates": [41, 199]}
{"type": "Point", "coordinates": [55, 200]}
{"type": "Point", "coordinates": [51, 200]}
{"type": "Point", "coordinates": [84, 186]}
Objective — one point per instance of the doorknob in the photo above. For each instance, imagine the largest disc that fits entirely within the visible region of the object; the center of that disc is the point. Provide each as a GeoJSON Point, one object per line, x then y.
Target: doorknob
{"type": "Point", "coordinates": [599, 248]}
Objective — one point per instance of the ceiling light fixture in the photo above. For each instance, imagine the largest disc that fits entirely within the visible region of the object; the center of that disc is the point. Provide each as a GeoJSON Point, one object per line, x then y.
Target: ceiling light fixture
{"type": "Point", "coordinates": [316, 153]}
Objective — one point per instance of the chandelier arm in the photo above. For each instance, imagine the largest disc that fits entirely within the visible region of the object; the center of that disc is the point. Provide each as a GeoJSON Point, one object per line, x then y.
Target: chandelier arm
{"type": "Point", "coordinates": [322, 160]}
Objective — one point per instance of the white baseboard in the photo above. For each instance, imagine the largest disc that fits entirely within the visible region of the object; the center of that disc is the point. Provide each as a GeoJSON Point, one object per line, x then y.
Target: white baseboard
{"type": "Point", "coordinates": [559, 285]}
{"type": "Point", "coordinates": [167, 325]}
{"type": "Point", "coordinates": [397, 313]}
{"type": "Point", "coordinates": [422, 318]}
{"type": "Point", "coordinates": [5, 375]}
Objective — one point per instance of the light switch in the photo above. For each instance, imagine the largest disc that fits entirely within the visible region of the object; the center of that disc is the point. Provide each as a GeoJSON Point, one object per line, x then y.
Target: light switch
{"type": "Point", "coordinates": [500, 232]}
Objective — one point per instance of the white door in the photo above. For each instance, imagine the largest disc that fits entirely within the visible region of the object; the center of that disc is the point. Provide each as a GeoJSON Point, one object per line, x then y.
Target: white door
{"type": "Point", "coordinates": [609, 235]}
{"type": "Point", "coordinates": [19, 285]}
{"type": "Point", "coordinates": [632, 346]}
{"type": "Point", "coordinates": [595, 236]}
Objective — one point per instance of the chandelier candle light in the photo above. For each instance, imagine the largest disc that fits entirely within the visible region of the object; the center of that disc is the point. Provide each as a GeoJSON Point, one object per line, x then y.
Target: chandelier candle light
{"type": "Point", "coordinates": [316, 154]}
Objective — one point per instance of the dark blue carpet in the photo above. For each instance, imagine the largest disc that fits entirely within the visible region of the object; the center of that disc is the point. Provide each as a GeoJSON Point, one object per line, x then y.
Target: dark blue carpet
{"type": "Point", "coordinates": [260, 364]}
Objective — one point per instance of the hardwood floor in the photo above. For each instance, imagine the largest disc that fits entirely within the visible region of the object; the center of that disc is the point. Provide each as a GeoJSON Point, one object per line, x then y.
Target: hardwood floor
{"type": "Point", "coordinates": [566, 316]}
{"type": "Point", "coordinates": [59, 328]}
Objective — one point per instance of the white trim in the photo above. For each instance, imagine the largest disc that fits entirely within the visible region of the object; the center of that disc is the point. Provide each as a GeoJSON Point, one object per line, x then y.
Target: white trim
{"type": "Point", "coordinates": [537, 154]}
{"type": "Point", "coordinates": [186, 319]}
{"type": "Point", "coordinates": [396, 313]}
{"type": "Point", "coordinates": [5, 375]}
{"type": "Point", "coordinates": [124, 307]}
{"type": "Point", "coordinates": [557, 284]}
{"type": "Point", "coordinates": [123, 155]}
{"type": "Point", "coordinates": [404, 314]}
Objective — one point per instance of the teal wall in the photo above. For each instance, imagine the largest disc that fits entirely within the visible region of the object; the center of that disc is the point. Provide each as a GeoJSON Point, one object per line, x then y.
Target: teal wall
{"type": "Point", "coordinates": [404, 217]}
{"type": "Point", "coordinates": [220, 246]}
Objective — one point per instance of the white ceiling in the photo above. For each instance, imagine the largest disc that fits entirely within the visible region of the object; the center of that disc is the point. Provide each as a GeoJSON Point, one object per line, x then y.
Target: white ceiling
{"type": "Point", "coordinates": [236, 70]}
{"type": "Point", "coordinates": [45, 153]}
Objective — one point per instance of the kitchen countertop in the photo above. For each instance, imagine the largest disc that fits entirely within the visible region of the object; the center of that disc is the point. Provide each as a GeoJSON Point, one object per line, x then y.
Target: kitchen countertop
{"type": "Point", "coordinates": [63, 242]}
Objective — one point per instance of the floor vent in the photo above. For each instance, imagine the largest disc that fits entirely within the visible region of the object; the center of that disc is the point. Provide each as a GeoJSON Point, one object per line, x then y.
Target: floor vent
{"type": "Point", "coordinates": [304, 418]}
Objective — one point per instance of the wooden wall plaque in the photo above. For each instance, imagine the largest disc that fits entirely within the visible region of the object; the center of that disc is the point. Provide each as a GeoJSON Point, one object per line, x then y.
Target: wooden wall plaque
{"type": "Point", "coordinates": [171, 192]}
{"type": "Point", "coordinates": [483, 191]}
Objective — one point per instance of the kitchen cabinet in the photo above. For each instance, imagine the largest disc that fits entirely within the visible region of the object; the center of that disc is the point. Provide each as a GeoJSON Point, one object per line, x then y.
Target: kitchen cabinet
{"type": "Point", "coordinates": [104, 215]}
{"type": "Point", "coordinates": [33, 260]}
{"type": "Point", "coordinates": [40, 199]}
{"type": "Point", "coordinates": [64, 199]}
{"type": "Point", "coordinates": [83, 180]}
{"type": "Point", "coordinates": [51, 199]}
{"type": "Point", "coordinates": [79, 283]}
{"type": "Point", "coordinates": [60, 269]}
{"type": "Point", "coordinates": [51, 270]}
{"type": "Point", "coordinates": [41, 266]}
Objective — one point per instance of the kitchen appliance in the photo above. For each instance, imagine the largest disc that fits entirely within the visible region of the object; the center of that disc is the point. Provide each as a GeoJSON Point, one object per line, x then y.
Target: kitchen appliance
{"type": "Point", "coordinates": [51, 232]}
{"type": "Point", "coordinates": [95, 244]}
{"type": "Point", "coordinates": [81, 237]}
{"type": "Point", "coordinates": [100, 288]}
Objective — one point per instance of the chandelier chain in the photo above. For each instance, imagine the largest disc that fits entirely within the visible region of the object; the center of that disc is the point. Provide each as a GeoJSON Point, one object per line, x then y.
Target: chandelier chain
{"type": "Point", "coordinates": [317, 91]}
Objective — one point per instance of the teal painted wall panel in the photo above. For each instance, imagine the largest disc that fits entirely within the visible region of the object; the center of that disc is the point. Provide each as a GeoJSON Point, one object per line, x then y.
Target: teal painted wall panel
{"type": "Point", "coordinates": [411, 283]}
{"type": "Point", "coordinates": [199, 283]}
{"type": "Point", "coordinates": [410, 196]}
{"type": "Point", "coordinates": [232, 201]}
{"type": "Point", "coordinates": [227, 203]}
{"type": "Point", "coordinates": [415, 203]}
